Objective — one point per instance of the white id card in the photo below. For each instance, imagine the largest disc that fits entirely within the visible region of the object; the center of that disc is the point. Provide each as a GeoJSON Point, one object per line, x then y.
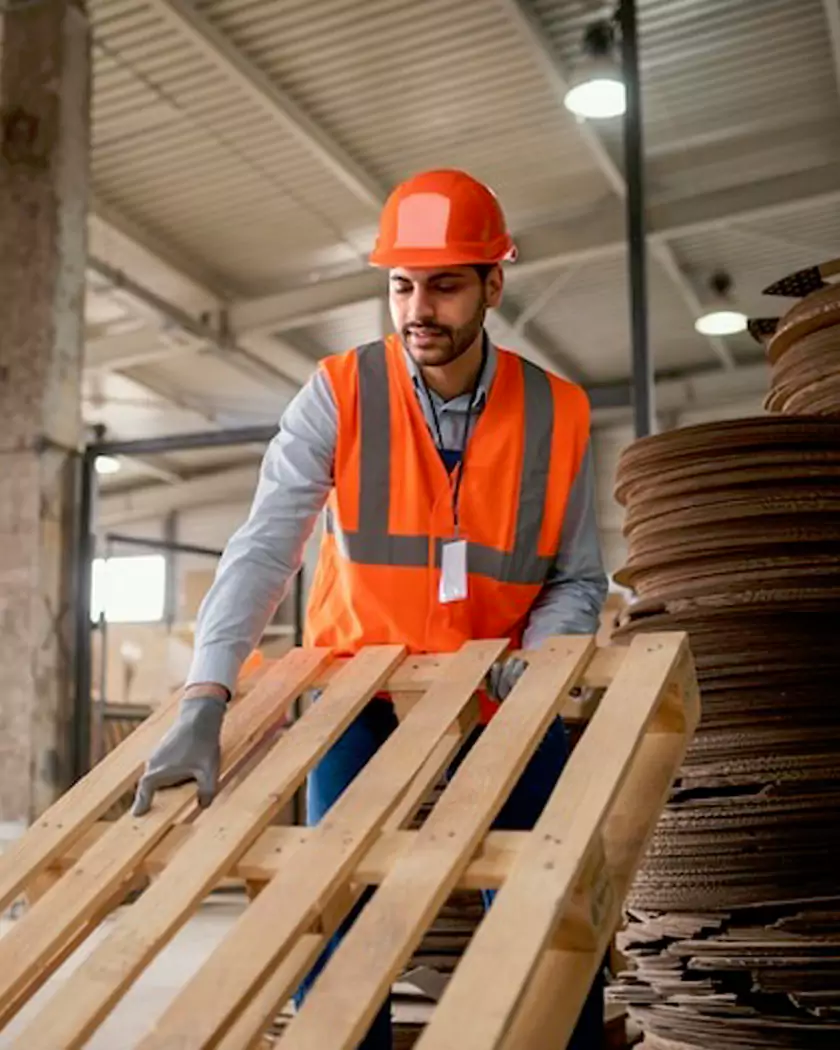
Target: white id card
{"type": "Point", "coordinates": [453, 572]}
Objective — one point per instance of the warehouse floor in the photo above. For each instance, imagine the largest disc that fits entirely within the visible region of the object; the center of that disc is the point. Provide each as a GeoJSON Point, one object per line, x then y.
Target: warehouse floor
{"type": "Point", "coordinates": [156, 986]}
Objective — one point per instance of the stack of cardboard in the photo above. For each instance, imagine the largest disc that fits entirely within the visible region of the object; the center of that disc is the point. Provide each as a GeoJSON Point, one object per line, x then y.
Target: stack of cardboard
{"type": "Point", "coordinates": [734, 919]}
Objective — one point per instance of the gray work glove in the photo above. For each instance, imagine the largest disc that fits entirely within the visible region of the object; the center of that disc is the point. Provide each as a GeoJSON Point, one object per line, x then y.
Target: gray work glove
{"type": "Point", "coordinates": [503, 676]}
{"type": "Point", "coordinates": [190, 750]}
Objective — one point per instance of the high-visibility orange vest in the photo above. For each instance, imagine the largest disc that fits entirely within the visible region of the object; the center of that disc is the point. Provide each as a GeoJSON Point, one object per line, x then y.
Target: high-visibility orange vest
{"type": "Point", "coordinates": [378, 570]}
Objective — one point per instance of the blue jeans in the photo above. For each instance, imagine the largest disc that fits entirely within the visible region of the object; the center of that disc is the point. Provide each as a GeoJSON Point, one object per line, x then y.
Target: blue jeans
{"type": "Point", "coordinates": [519, 813]}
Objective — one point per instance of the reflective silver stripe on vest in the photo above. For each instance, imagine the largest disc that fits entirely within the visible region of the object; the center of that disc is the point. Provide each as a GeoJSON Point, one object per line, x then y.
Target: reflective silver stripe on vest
{"type": "Point", "coordinates": [372, 544]}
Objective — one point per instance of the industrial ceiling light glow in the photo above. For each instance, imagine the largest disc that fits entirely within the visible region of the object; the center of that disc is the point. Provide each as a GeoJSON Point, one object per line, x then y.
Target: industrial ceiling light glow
{"type": "Point", "coordinates": [597, 91]}
{"type": "Point", "coordinates": [721, 322]}
{"type": "Point", "coordinates": [597, 99]}
{"type": "Point", "coordinates": [107, 465]}
{"type": "Point", "coordinates": [720, 318]}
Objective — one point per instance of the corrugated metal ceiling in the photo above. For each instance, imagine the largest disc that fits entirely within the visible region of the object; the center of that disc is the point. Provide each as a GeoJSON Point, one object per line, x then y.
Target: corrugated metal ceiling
{"type": "Point", "coordinates": [734, 91]}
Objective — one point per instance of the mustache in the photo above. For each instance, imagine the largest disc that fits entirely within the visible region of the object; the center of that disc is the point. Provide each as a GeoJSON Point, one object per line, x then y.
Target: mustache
{"type": "Point", "coordinates": [426, 329]}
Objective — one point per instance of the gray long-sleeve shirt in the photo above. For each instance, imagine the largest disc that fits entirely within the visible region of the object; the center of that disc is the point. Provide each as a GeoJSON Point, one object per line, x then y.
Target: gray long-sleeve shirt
{"type": "Point", "coordinates": [296, 476]}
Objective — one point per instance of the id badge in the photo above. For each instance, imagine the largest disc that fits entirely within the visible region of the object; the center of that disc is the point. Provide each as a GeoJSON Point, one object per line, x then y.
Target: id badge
{"type": "Point", "coordinates": [453, 572]}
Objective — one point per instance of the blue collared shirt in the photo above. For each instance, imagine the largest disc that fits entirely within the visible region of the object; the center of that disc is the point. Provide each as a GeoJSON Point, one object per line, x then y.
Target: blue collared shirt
{"type": "Point", "coordinates": [296, 476]}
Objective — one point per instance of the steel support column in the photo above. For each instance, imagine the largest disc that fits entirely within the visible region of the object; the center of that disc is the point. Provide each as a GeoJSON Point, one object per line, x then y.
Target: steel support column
{"type": "Point", "coordinates": [644, 411]}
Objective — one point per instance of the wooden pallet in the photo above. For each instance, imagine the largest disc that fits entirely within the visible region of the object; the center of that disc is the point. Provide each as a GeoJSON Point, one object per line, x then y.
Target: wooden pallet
{"type": "Point", "coordinates": [527, 969]}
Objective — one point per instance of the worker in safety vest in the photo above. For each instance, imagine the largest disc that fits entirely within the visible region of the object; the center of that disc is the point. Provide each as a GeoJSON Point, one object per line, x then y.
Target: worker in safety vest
{"type": "Point", "coordinates": [456, 484]}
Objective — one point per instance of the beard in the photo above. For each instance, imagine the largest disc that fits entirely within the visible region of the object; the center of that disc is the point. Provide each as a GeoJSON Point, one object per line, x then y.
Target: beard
{"type": "Point", "coordinates": [434, 345]}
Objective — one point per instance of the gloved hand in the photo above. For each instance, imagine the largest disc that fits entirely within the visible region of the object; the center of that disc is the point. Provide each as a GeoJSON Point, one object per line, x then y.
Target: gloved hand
{"type": "Point", "coordinates": [190, 750]}
{"type": "Point", "coordinates": [503, 676]}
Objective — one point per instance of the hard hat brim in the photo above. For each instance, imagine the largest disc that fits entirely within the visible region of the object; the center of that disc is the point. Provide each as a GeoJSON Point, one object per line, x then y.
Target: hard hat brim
{"type": "Point", "coordinates": [429, 258]}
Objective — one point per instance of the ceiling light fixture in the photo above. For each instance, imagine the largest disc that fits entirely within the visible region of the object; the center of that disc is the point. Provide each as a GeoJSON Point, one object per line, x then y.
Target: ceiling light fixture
{"type": "Point", "coordinates": [722, 320]}
{"type": "Point", "coordinates": [107, 465]}
{"type": "Point", "coordinates": [597, 92]}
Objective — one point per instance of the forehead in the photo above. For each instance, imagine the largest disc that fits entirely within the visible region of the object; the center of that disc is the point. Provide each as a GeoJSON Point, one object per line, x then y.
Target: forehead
{"type": "Point", "coordinates": [400, 273]}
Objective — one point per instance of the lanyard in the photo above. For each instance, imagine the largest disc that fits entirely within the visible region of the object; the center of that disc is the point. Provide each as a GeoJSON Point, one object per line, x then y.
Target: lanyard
{"type": "Point", "coordinates": [456, 490]}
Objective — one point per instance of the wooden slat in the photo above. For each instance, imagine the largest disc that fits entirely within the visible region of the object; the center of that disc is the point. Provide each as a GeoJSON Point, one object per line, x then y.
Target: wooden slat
{"type": "Point", "coordinates": [506, 949]}
{"type": "Point", "coordinates": [262, 861]}
{"type": "Point", "coordinates": [65, 908]}
{"type": "Point", "coordinates": [71, 814]}
{"type": "Point", "coordinates": [546, 1016]}
{"type": "Point", "coordinates": [419, 673]}
{"type": "Point", "coordinates": [487, 869]}
{"type": "Point", "coordinates": [47, 969]}
{"type": "Point", "coordinates": [265, 1002]}
{"type": "Point", "coordinates": [91, 796]}
{"type": "Point", "coordinates": [292, 899]}
{"type": "Point", "coordinates": [343, 1003]}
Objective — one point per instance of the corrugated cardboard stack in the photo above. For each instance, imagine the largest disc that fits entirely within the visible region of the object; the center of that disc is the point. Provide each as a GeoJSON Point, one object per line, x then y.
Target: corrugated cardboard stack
{"type": "Point", "coordinates": [803, 347]}
{"type": "Point", "coordinates": [734, 921]}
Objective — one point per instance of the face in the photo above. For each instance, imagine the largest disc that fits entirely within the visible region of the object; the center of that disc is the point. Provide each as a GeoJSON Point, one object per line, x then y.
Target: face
{"type": "Point", "coordinates": [440, 313]}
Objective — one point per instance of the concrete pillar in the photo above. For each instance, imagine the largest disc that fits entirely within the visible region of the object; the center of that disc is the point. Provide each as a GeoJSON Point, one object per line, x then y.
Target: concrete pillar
{"type": "Point", "coordinates": [44, 150]}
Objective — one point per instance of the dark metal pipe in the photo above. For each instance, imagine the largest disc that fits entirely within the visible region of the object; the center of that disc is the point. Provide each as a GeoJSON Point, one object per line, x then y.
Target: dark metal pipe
{"type": "Point", "coordinates": [256, 435]}
{"type": "Point", "coordinates": [85, 546]}
{"type": "Point", "coordinates": [162, 545]}
{"type": "Point", "coordinates": [170, 597]}
{"type": "Point", "coordinates": [643, 385]}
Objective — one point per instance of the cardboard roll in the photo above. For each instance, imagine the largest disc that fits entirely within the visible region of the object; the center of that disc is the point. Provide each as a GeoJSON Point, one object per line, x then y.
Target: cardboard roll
{"type": "Point", "coordinates": [789, 516]}
{"type": "Point", "coordinates": [791, 599]}
{"type": "Point", "coordinates": [806, 378]}
{"type": "Point", "coordinates": [723, 504]}
{"type": "Point", "coordinates": [644, 610]}
{"type": "Point", "coordinates": [774, 736]}
{"type": "Point", "coordinates": [818, 311]}
{"type": "Point", "coordinates": [746, 577]}
{"type": "Point", "coordinates": [821, 348]}
{"type": "Point", "coordinates": [733, 552]}
{"type": "Point", "coordinates": [783, 771]}
{"type": "Point", "coordinates": [674, 1028]}
{"type": "Point", "coordinates": [702, 450]}
{"type": "Point", "coordinates": [708, 816]}
{"type": "Point", "coordinates": [796, 398]}
{"type": "Point", "coordinates": [684, 891]}
{"type": "Point", "coordinates": [684, 482]}
{"type": "Point", "coordinates": [651, 551]}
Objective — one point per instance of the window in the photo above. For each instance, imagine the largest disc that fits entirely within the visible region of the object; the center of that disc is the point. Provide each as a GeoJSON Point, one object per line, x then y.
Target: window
{"type": "Point", "coordinates": [129, 590]}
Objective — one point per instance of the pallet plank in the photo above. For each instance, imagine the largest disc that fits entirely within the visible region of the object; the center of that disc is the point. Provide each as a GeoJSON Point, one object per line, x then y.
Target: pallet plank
{"type": "Point", "coordinates": [343, 1003]}
{"type": "Point", "coordinates": [265, 1002]}
{"type": "Point", "coordinates": [78, 808]}
{"type": "Point", "coordinates": [550, 1007]}
{"type": "Point", "coordinates": [561, 885]}
{"type": "Point", "coordinates": [243, 961]}
{"type": "Point", "coordinates": [526, 912]}
{"type": "Point", "coordinates": [66, 1020]}
{"type": "Point", "coordinates": [53, 833]}
{"type": "Point", "coordinates": [419, 673]}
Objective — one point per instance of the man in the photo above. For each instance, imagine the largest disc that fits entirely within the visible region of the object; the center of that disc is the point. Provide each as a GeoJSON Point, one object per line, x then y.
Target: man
{"type": "Point", "coordinates": [456, 481]}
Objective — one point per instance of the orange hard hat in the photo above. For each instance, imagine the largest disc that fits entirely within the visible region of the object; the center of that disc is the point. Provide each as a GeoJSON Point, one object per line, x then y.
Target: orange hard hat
{"type": "Point", "coordinates": [442, 218]}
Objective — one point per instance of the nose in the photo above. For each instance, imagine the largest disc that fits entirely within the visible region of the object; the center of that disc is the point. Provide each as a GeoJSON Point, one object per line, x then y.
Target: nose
{"type": "Point", "coordinates": [421, 308]}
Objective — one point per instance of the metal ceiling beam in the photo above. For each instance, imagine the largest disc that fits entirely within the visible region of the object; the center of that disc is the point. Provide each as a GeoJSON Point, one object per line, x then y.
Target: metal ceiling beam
{"type": "Point", "coordinates": [519, 337]}
{"type": "Point", "coordinates": [154, 470]}
{"type": "Point", "coordinates": [126, 248]}
{"type": "Point", "coordinates": [527, 22]}
{"type": "Point", "coordinates": [694, 388]}
{"type": "Point", "coordinates": [160, 283]}
{"type": "Point", "coordinates": [664, 255]}
{"type": "Point", "coordinates": [278, 104]}
{"type": "Point", "coordinates": [583, 244]}
{"type": "Point", "coordinates": [142, 346]}
{"type": "Point", "coordinates": [155, 501]}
